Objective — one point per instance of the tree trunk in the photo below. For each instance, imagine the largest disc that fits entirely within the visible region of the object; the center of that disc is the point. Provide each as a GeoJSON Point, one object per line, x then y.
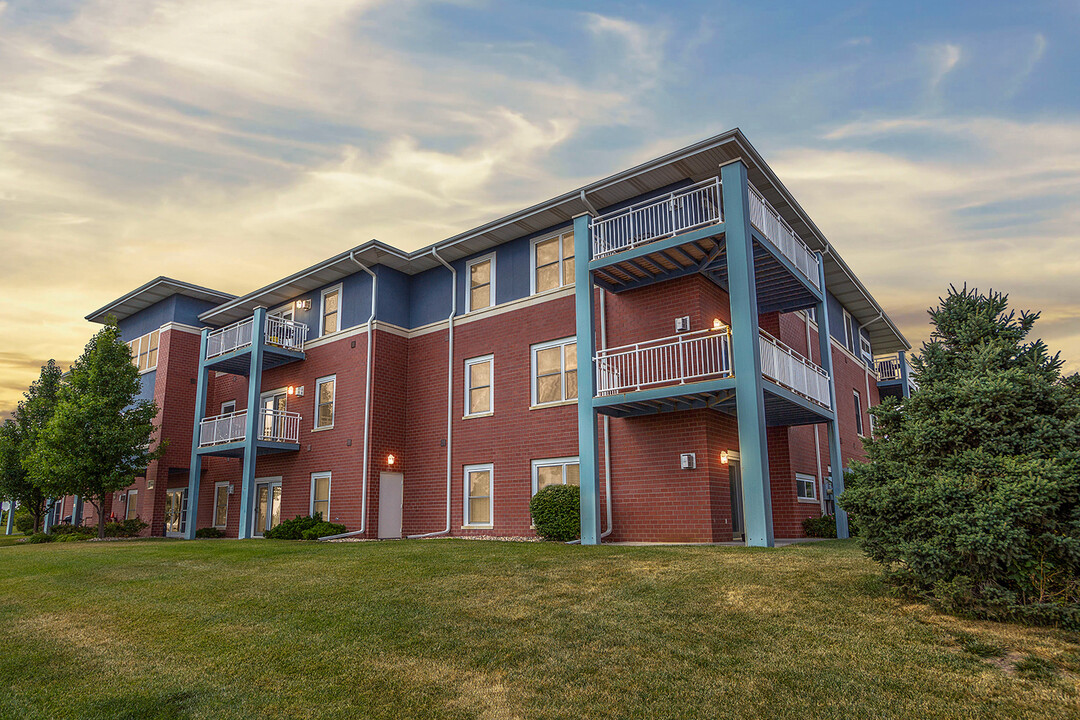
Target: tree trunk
{"type": "Point", "coordinates": [101, 523]}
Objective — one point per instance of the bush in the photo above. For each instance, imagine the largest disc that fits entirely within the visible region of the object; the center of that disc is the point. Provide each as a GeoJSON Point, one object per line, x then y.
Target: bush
{"type": "Point", "coordinates": [125, 528]}
{"type": "Point", "coordinates": [556, 512]}
{"type": "Point", "coordinates": [209, 532]}
{"type": "Point", "coordinates": [84, 534]}
{"type": "Point", "coordinates": [820, 527]}
{"type": "Point", "coordinates": [40, 538]}
{"type": "Point", "coordinates": [322, 530]}
{"type": "Point", "coordinates": [66, 529]}
{"type": "Point", "coordinates": [294, 529]}
{"type": "Point", "coordinates": [24, 521]}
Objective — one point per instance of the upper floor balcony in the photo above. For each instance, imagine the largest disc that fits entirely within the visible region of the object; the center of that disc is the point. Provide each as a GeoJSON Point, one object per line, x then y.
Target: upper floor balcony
{"type": "Point", "coordinates": [892, 370]}
{"type": "Point", "coordinates": [227, 348]}
{"type": "Point", "coordinates": [695, 370]}
{"type": "Point", "coordinates": [681, 233]}
{"type": "Point", "coordinates": [276, 431]}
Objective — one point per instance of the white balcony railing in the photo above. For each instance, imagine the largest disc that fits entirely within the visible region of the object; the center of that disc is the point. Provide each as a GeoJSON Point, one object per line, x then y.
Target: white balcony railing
{"type": "Point", "coordinates": [889, 368]}
{"type": "Point", "coordinates": [790, 369]}
{"type": "Point", "coordinates": [776, 230]}
{"type": "Point", "coordinates": [667, 361]}
{"type": "Point", "coordinates": [278, 331]}
{"type": "Point", "coordinates": [650, 220]}
{"type": "Point", "coordinates": [274, 425]}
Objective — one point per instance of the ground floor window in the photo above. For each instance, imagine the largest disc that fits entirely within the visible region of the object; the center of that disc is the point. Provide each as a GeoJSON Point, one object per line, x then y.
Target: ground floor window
{"type": "Point", "coordinates": [806, 487]}
{"type": "Point", "coordinates": [221, 505]}
{"type": "Point", "coordinates": [320, 494]}
{"type": "Point", "coordinates": [556, 471]}
{"type": "Point", "coordinates": [478, 494]}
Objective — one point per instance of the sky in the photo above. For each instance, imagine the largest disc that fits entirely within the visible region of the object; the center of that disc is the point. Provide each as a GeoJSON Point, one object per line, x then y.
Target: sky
{"type": "Point", "coordinates": [229, 143]}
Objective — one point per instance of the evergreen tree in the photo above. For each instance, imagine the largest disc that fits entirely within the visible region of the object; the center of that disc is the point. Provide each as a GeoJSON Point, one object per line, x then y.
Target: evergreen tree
{"type": "Point", "coordinates": [971, 492]}
{"type": "Point", "coordinates": [20, 434]}
{"type": "Point", "coordinates": [98, 440]}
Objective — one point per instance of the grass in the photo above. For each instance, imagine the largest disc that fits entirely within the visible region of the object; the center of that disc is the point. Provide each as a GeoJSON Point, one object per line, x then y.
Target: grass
{"type": "Point", "coordinates": [471, 629]}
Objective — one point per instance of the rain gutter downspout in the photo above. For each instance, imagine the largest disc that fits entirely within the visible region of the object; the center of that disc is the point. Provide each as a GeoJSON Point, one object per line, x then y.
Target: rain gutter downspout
{"type": "Point", "coordinates": [367, 405]}
{"type": "Point", "coordinates": [449, 393]}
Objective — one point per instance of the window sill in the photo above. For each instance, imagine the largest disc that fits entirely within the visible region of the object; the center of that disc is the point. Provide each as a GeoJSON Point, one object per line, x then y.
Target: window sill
{"type": "Point", "coordinates": [477, 415]}
{"type": "Point", "coordinates": [322, 429]}
{"type": "Point", "coordinates": [551, 291]}
{"type": "Point", "coordinates": [561, 403]}
{"type": "Point", "coordinates": [808, 500]}
{"type": "Point", "coordinates": [477, 527]}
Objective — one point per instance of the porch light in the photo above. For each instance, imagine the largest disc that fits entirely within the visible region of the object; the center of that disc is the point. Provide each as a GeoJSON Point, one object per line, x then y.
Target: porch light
{"type": "Point", "coordinates": [723, 457]}
{"type": "Point", "coordinates": [292, 390]}
{"type": "Point", "coordinates": [717, 324]}
{"type": "Point", "coordinates": [390, 459]}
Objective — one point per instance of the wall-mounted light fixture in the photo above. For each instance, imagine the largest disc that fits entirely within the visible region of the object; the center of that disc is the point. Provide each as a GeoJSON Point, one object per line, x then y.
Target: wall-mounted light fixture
{"type": "Point", "coordinates": [717, 324]}
{"type": "Point", "coordinates": [391, 459]}
{"type": "Point", "coordinates": [723, 457]}
{"type": "Point", "coordinates": [291, 390]}
{"type": "Point", "coordinates": [303, 304]}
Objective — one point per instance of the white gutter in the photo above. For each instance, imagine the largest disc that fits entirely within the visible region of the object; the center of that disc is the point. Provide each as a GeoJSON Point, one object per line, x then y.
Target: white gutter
{"type": "Point", "coordinates": [367, 405]}
{"type": "Point", "coordinates": [449, 394]}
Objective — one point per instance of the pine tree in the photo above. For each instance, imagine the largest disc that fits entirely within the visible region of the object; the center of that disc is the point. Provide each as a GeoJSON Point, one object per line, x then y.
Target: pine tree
{"type": "Point", "coordinates": [971, 492]}
{"type": "Point", "coordinates": [99, 437]}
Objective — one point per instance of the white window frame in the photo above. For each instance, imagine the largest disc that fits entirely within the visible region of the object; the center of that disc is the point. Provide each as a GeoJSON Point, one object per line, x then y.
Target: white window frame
{"type": "Point", "coordinates": [329, 491]}
{"type": "Point", "coordinates": [849, 341]}
{"type": "Point", "coordinates": [322, 309]}
{"type": "Point", "coordinates": [468, 282]}
{"type": "Point", "coordinates": [552, 462]}
{"type": "Point", "coordinates": [865, 350]}
{"type": "Point", "coordinates": [859, 414]}
{"type": "Point", "coordinates": [333, 404]}
{"type": "Point", "coordinates": [533, 265]}
{"type": "Point", "coordinates": [128, 507]}
{"type": "Point", "coordinates": [572, 340]}
{"type": "Point", "coordinates": [490, 468]}
{"type": "Point", "coordinates": [230, 404]}
{"type": "Point", "coordinates": [220, 523]}
{"type": "Point", "coordinates": [136, 348]}
{"type": "Point", "coordinates": [288, 310]}
{"type": "Point", "coordinates": [468, 386]}
{"type": "Point", "coordinates": [806, 478]}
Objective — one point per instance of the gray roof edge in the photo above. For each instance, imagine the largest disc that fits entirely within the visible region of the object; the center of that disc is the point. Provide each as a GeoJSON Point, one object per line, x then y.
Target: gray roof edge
{"type": "Point", "coordinates": [181, 287]}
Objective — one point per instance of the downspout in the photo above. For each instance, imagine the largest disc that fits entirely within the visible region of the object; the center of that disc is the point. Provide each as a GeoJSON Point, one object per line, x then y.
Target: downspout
{"type": "Point", "coordinates": [367, 405]}
{"type": "Point", "coordinates": [449, 394]}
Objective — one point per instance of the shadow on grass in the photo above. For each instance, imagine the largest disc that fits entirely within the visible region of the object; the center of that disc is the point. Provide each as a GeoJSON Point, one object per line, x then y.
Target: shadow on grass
{"type": "Point", "coordinates": [143, 706]}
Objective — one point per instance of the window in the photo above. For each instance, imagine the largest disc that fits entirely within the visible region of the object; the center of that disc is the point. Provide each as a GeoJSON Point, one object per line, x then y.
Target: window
{"type": "Point", "coordinates": [560, 471]}
{"type": "Point", "coordinates": [331, 301]}
{"type": "Point", "coordinates": [221, 505]}
{"type": "Point", "coordinates": [811, 312]}
{"type": "Point", "coordinates": [229, 406]}
{"type": "Point", "coordinates": [554, 367]}
{"type": "Point", "coordinates": [478, 386]}
{"type": "Point", "coordinates": [806, 487]}
{"type": "Point", "coordinates": [864, 349]}
{"type": "Point", "coordinates": [132, 509]}
{"type": "Point", "coordinates": [858, 413]}
{"type": "Point", "coordinates": [481, 274]}
{"type": "Point", "coordinates": [144, 351]}
{"type": "Point", "coordinates": [320, 494]}
{"type": "Point", "coordinates": [325, 389]}
{"type": "Point", "coordinates": [553, 262]}
{"type": "Point", "coordinates": [849, 333]}
{"type": "Point", "coordinates": [478, 495]}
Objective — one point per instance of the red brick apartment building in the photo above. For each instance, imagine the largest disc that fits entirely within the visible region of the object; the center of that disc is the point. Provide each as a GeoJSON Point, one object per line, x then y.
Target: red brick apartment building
{"type": "Point", "coordinates": [652, 337]}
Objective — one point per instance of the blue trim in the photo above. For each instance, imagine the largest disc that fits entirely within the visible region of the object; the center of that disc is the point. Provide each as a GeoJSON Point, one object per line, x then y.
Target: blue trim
{"type": "Point", "coordinates": [835, 456]}
{"type": "Point", "coordinates": [780, 258]}
{"type": "Point", "coordinates": [10, 517]}
{"type": "Point", "coordinates": [588, 455]}
{"type": "Point", "coordinates": [669, 391]}
{"type": "Point", "coordinates": [682, 239]}
{"type": "Point", "coordinates": [905, 381]}
{"type": "Point", "coordinates": [247, 484]}
{"type": "Point", "coordinates": [195, 466]}
{"type": "Point", "coordinates": [797, 399]}
{"type": "Point", "coordinates": [746, 355]}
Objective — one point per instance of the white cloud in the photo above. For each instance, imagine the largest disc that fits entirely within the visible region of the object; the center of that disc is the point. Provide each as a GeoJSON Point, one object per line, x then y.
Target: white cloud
{"type": "Point", "coordinates": [943, 60]}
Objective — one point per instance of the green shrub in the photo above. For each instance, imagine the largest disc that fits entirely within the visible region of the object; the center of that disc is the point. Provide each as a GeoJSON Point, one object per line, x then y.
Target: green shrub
{"type": "Point", "coordinates": [820, 527]}
{"type": "Point", "coordinates": [66, 529]}
{"type": "Point", "coordinates": [84, 534]}
{"type": "Point", "coordinates": [294, 529]}
{"type": "Point", "coordinates": [24, 521]}
{"type": "Point", "coordinates": [322, 530]}
{"type": "Point", "coordinates": [209, 532]}
{"type": "Point", "coordinates": [40, 538]}
{"type": "Point", "coordinates": [556, 512]}
{"type": "Point", "coordinates": [125, 528]}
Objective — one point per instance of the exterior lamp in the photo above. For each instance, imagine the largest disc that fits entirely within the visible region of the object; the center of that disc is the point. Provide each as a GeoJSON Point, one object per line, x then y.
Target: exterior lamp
{"type": "Point", "coordinates": [292, 390]}
{"type": "Point", "coordinates": [390, 459]}
{"type": "Point", "coordinates": [717, 324]}
{"type": "Point", "coordinates": [723, 457]}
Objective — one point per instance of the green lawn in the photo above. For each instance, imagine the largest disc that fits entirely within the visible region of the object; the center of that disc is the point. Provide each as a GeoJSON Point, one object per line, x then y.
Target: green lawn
{"type": "Point", "coordinates": [470, 629]}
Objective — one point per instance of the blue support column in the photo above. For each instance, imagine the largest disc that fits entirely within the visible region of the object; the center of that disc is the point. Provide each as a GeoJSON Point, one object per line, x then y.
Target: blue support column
{"type": "Point", "coordinates": [905, 389]}
{"type": "Point", "coordinates": [746, 356]}
{"type": "Point", "coordinates": [825, 348]}
{"type": "Point", "coordinates": [195, 467]}
{"type": "Point", "coordinates": [10, 518]}
{"type": "Point", "coordinates": [247, 485]}
{"type": "Point", "coordinates": [76, 511]}
{"type": "Point", "coordinates": [48, 515]}
{"type": "Point", "coordinates": [588, 456]}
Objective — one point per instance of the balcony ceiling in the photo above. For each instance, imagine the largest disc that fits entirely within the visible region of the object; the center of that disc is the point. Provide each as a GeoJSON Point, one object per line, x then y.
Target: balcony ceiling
{"type": "Point", "coordinates": [695, 162]}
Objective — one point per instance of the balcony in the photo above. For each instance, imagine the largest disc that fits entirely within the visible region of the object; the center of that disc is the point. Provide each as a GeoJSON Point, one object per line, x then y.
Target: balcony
{"type": "Point", "coordinates": [890, 371]}
{"type": "Point", "coordinates": [769, 223]}
{"type": "Point", "coordinates": [277, 430]}
{"type": "Point", "coordinates": [227, 347]}
{"type": "Point", "coordinates": [650, 220]}
{"type": "Point", "coordinates": [695, 370]}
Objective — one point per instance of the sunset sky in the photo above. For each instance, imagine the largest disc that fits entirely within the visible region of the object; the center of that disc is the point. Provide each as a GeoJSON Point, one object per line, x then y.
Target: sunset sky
{"type": "Point", "coordinates": [229, 143]}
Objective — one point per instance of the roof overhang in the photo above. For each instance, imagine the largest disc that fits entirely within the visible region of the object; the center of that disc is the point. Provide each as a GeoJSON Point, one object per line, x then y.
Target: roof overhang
{"type": "Point", "coordinates": [695, 162]}
{"type": "Point", "coordinates": [152, 292]}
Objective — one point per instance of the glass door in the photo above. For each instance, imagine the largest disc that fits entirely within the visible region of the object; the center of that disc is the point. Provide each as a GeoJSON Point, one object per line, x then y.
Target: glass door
{"type": "Point", "coordinates": [273, 426]}
{"type": "Point", "coordinates": [267, 507]}
{"type": "Point", "coordinates": [176, 512]}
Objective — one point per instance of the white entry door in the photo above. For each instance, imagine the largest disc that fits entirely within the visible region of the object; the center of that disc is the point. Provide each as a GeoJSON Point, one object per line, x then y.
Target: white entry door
{"type": "Point", "coordinates": [391, 490]}
{"type": "Point", "coordinates": [176, 512]}
{"type": "Point", "coordinates": [267, 508]}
